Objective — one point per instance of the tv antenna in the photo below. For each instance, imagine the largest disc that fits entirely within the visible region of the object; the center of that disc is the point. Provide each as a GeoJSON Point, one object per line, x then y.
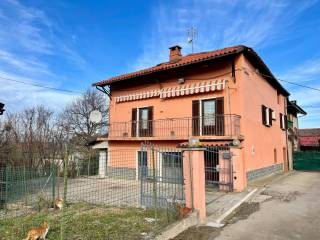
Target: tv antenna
{"type": "Point", "coordinates": [192, 32]}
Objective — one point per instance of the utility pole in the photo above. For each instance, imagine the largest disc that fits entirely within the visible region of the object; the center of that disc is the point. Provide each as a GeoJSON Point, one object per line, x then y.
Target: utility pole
{"type": "Point", "coordinates": [1, 108]}
{"type": "Point", "coordinates": [192, 32]}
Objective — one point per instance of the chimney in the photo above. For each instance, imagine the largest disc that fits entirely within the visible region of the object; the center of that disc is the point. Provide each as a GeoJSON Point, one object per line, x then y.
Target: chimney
{"type": "Point", "coordinates": [175, 53]}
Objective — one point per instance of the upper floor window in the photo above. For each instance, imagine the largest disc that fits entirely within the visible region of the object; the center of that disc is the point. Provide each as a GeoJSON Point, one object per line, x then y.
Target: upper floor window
{"type": "Point", "coordinates": [283, 121]}
{"type": "Point", "coordinates": [267, 116]}
{"type": "Point", "coordinates": [278, 97]}
{"type": "Point", "coordinates": [142, 119]}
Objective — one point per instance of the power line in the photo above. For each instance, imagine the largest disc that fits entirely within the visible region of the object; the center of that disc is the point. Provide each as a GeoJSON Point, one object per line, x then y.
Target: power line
{"type": "Point", "coordinates": [39, 85]}
{"type": "Point", "coordinates": [300, 85]}
{"type": "Point", "coordinates": [293, 83]}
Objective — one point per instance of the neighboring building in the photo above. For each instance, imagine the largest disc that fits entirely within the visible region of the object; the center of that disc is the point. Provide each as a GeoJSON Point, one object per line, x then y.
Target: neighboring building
{"type": "Point", "coordinates": [217, 97]}
{"type": "Point", "coordinates": [101, 145]}
{"type": "Point", "coordinates": [309, 139]}
{"type": "Point", "coordinates": [293, 110]}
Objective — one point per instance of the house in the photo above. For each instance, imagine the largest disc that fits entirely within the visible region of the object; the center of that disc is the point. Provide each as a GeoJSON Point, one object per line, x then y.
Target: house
{"type": "Point", "coordinates": [293, 110]}
{"type": "Point", "coordinates": [309, 139]}
{"type": "Point", "coordinates": [226, 97]}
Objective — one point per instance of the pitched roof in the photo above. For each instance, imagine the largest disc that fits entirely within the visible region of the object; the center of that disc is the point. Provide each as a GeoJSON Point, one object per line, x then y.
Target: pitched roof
{"type": "Point", "coordinates": [309, 132]}
{"type": "Point", "coordinates": [196, 58]}
{"type": "Point", "coordinates": [293, 107]}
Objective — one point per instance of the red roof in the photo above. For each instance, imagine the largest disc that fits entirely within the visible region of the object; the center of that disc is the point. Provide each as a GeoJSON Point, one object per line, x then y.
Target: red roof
{"type": "Point", "coordinates": [309, 141]}
{"type": "Point", "coordinates": [186, 60]}
{"type": "Point", "coordinates": [196, 58]}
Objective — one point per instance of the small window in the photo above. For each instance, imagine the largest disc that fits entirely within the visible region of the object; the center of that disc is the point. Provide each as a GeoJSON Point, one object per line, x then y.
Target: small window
{"type": "Point", "coordinates": [275, 155]}
{"type": "Point", "coordinates": [278, 97]}
{"type": "Point", "coordinates": [267, 114]}
{"type": "Point", "coordinates": [283, 122]}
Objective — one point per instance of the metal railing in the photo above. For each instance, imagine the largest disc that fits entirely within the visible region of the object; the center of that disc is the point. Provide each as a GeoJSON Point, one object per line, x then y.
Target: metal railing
{"type": "Point", "coordinates": [215, 125]}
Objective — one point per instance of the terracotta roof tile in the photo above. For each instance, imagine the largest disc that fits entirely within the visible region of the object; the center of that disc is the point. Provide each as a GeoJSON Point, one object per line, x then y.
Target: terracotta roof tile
{"type": "Point", "coordinates": [186, 60]}
{"type": "Point", "coordinates": [309, 132]}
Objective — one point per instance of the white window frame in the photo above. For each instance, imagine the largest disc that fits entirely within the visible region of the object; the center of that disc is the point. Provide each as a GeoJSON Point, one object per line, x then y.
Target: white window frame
{"type": "Point", "coordinates": [200, 109]}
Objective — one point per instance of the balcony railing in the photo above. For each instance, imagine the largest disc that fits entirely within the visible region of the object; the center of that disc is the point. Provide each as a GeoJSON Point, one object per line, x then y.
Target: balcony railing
{"type": "Point", "coordinates": [227, 125]}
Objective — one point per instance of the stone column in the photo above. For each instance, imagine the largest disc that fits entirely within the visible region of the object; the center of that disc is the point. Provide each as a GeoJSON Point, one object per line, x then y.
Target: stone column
{"type": "Point", "coordinates": [102, 162]}
{"type": "Point", "coordinates": [194, 180]}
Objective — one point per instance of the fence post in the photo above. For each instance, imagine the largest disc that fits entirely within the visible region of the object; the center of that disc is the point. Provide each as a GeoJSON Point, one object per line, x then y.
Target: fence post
{"type": "Point", "coordinates": [194, 179]}
{"type": "Point", "coordinates": [155, 200]}
{"type": "Point", "coordinates": [53, 174]}
{"type": "Point", "coordinates": [7, 188]}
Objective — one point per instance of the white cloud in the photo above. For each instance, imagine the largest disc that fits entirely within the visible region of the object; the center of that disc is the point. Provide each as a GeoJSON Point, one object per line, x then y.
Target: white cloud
{"type": "Point", "coordinates": [16, 96]}
{"type": "Point", "coordinates": [219, 24]}
{"type": "Point", "coordinates": [29, 41]}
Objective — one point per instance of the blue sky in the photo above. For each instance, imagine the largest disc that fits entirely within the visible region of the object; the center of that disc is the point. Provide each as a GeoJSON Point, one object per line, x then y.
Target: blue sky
{"type": "Point", "coordinates": [71, 44]}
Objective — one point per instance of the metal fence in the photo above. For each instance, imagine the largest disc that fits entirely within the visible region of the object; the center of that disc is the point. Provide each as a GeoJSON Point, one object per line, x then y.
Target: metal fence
{"type": "Point", "coordinates": [216, 125]}
{"type": "Point", "coordinates": [126, 178]}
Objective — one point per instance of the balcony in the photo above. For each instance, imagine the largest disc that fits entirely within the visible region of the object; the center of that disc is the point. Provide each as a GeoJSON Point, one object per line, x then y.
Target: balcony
{"type": "Point", "coordinates": [217, 127]}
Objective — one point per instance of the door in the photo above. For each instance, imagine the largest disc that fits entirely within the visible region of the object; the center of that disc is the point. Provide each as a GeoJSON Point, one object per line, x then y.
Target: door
{"type": "Point", "coordinates": [212, 112]}
{"type": "Point", "coordinates": [142, 164]}
{"type": "Point", "coordinates": [145, 120]}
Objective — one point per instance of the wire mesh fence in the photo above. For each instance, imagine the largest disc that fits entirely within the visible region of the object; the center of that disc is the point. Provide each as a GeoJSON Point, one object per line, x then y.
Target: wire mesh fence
{"type": "Point", "coordinates": [147, 177]}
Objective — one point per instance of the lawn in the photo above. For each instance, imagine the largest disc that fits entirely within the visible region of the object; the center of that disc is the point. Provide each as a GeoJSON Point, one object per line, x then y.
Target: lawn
{"type": "Point", "coordinates": [85, 222]}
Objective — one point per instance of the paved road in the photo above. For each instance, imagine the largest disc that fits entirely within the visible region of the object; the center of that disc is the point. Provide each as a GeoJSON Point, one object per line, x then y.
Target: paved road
{"type": "Point", "coordinates": [293, 212]}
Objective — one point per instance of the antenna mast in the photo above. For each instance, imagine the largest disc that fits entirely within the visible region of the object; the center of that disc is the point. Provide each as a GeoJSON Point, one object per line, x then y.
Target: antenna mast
{"type": "Point", "coordinates": [192, 32]}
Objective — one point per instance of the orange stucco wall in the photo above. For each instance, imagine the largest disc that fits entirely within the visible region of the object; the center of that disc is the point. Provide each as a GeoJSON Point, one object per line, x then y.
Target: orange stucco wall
{"type": "Point", "coordinates": [243, 97]}
{"type": "Point", "coordinates": [260, 141]}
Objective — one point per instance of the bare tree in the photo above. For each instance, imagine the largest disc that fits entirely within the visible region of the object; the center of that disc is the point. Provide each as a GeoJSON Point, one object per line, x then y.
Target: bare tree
{"type": "Point", "coordinates": [76, 116]}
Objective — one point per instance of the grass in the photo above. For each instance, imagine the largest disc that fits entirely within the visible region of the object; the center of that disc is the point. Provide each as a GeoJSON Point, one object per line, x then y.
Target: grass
{"type": "Point", "coordinates": [83, 221]}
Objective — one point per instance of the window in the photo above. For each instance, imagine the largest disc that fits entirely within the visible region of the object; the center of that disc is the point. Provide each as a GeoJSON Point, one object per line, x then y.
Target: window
{"type": "Point", "coordinates": [208, 112]}
{"type": "Point", "coordinates": [142, 164]}
{"type": "Point", "coordinates": [278, 97]}
{"type": "Point", "coordinates": [144, 118]}
{"type": "Point", "coordinates": [283, 122]}
{"type": "Point", "coordinates": [142, 122]}
{"type": "Point", "coordinates": [275, 155]}
{"type": "Point", "coordinates": [267, 116]}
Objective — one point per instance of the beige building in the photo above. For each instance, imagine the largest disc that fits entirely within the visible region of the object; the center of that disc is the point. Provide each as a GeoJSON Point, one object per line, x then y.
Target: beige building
{"type": "Point", "coordinates": [293, 111]}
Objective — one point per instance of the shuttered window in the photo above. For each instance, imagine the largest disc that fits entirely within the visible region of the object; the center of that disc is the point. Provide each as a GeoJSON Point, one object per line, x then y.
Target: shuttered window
{"type": "Point", "coordinates": [134, 122]}
{"type": "Point", "coordinates": [283, 122]}
{"type": "Point", "coordinates": [196, 118]}
{"type": "Point", "coordinates": [266, 114]}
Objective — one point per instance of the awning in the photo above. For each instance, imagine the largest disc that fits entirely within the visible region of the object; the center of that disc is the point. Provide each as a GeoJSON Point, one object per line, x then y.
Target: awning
{"type": "Point", "coordinates": [178, 91]}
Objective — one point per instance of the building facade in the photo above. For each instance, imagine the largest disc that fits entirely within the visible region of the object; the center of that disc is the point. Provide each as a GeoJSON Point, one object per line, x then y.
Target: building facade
{"type": "Point", "coordinates": [225, 97]}
{"type": "Point", "coordinates": [294, 111]}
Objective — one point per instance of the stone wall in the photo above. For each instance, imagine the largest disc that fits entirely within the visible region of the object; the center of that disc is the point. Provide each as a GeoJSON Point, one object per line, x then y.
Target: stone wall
{"type": "Point", "coordinates": [261, 172]}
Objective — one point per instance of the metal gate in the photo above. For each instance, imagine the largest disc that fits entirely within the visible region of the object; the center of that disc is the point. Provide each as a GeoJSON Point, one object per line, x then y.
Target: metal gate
{"type": "Point", "coordinates": [218, 168]}
{"type": "Point", "coordinates": [162, 183]}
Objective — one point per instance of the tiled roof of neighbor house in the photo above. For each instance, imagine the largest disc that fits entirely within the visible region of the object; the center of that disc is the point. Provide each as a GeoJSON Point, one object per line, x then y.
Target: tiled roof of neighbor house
{"type": "Point", "coordinates": [309, 141]}
{"type": "Point", "coordinates": [192, 59]}
{"type": "Point", "coordinates": [309, 132]}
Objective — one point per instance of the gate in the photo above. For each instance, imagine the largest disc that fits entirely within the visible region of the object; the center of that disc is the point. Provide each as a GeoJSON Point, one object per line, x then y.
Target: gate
{"type": "Point", "coordinates": [218, 168]}
{"type": "Point", "coordinates": [308, 160]}
{"type": "Point", "coordinates": [162, 183]}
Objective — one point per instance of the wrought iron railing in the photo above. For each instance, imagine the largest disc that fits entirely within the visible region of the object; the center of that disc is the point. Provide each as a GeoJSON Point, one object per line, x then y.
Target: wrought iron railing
{"type": "Point", "coordinates": [216, 125]}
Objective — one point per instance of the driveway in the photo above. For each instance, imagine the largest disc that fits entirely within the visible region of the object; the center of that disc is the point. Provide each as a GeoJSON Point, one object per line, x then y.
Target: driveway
{"type": "Point", "coordinates": [291, 212]}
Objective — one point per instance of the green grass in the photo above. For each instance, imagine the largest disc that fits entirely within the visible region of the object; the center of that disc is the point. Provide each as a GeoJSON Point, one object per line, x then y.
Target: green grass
{"type": "Point", "coordinates": [83, 221]}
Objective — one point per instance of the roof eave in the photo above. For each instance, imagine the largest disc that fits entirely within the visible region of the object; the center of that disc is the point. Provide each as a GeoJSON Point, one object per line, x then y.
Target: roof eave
{"type": "Point", "coordinates": [105, 82]}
